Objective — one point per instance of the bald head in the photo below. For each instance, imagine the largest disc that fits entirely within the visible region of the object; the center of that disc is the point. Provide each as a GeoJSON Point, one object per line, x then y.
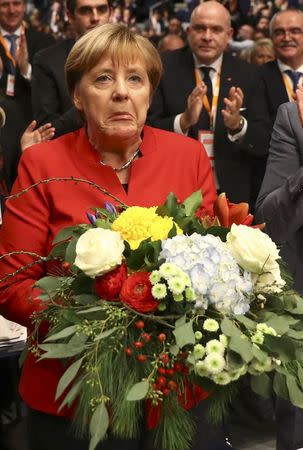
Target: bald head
{"type": "Point", "coordinates": [209, 31]}
{"type": "Point", "coordinates": [170, 42]}
{"type": "Point", "coordinates": [212, 8]}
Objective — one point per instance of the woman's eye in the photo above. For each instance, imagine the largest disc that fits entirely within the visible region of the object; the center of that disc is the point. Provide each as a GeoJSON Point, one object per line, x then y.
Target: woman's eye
{"type": "Point", "coordinates": [135, 78]}
{"type": "Point", "coordinates": [103, 78]}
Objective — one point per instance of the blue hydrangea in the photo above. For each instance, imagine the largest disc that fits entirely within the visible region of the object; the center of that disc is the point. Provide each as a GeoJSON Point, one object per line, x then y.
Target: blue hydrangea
{"type": "Point", "coordinates": [215, 275]}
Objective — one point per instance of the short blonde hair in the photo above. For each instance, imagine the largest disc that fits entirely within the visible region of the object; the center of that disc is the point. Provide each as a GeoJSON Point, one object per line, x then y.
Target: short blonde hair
{"type": "Point", "coordinates": [113, 41]}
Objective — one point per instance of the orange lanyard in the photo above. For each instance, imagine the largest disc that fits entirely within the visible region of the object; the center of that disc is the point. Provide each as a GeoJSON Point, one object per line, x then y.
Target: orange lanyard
{"type": "Point", "coordinates": [288, 85]}
{"type": "Point", "coordinates": [211, 109]}
{"type": "Point", "coordinates": [3, 41]}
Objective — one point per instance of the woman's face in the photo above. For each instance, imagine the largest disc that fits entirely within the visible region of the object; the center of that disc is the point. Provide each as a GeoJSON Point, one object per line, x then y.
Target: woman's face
{"type": "Point", "coordinates": [263, 55]}
{"type": "Point", "coordinates": [114, 98]}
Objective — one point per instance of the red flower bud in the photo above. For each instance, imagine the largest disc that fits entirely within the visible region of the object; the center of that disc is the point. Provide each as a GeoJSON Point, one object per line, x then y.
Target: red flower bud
{"type": "Point", "coordinates": [161, 381]}
{"type": "Point", "coordinates": [138, 344]}
{"type": "Point", "coordinates": [166, 391]}
{"type": "Point", "coordinates": [172, 385]}
{"type": "Point", "coordinates": [161, 337]}
{"type": "Point", "coordinates": [128, 351]}
{"type": "Point", "coordinates": [141, 358]}
{"type": "Point", "coordinates": [164, 358]}
{"type": "Point", "coordinates": [161, 370]}
{"type": "Point", "coordinates": [146, 337]}
{"type": "Point", "coordinates": [170, 372]}
{"type": "Point", "coordinates": [139, 324]}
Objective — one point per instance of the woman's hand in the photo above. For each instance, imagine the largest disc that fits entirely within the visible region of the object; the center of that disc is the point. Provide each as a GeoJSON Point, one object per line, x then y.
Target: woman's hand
{"type": "Point", "coordinates": [299, 93]}
{"type": "Point", "coordinates": [32, 136]}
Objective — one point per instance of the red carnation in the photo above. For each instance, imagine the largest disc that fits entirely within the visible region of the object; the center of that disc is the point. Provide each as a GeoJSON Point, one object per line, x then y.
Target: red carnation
{"type": "Point", "coordinates": [136, 293]}
{"type": "Point", "coordinates": [108, 286]}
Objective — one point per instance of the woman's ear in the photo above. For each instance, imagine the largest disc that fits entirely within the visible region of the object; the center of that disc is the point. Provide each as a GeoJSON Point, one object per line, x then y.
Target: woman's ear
{"type": "Point", "coordinates": [77, 99]}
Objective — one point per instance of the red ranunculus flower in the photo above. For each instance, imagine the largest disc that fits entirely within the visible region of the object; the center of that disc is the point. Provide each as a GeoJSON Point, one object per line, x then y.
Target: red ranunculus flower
{"type": "Point", "coordinates": [136, 293]}
{"type": "Point", "coordinates": [108, 286]}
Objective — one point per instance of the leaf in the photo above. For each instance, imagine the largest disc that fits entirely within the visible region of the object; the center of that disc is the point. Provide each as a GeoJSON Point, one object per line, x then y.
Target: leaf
{"type": "Point", "coordinates": [64, 234]}
{"type": "Point", "coordinates": [180, 321]}
{"type": "Point", "coordinates": [295, 334]}
{"type": "Point", "coordinates": [241, 346]}
{"type": "Point", "coordinates": [282, 348]}
{"type": "Point", "coordinates": [86, 299]}
{"type": "Point", "coordinates": [259, 354]}
{"type": "Point", "coordinates": [66, 332]}
{"type": "Point", "coordinates": [82, 284]}
{"type": "Point", "coordinates": [174, 350]}
{"type": "Point", "coordinates": [71, 395]}
{"type": "Point", "coordinates": [75, 346]}
{"type": "Point", "coordinates": [295, 393]}
{"type": "Point", "coordinates": [234, 360]}
{"type": "Point", "coordinates": [90, 310]}
{"type": "Point", "coordinates": [98, 425]}
{"type": "Point", "coordinates": [138, 391]}
{"type": "Point", "coordinates": [59, 250]}
{"type": "Point", "coordinates": [70, 254]}
{"type": "Point", "coordinates": [171, 204]}
{"type": "Point", "coordinates": [280, 386]}
{"type": "Point", "coordinates": [229, 328]}
{"type": "Point", "coordinates": [49, 283]}
{"type": "Point", "coordinates": [103, 224]}
{"type": "Point", "coordinates": [279, 324]}
{"type": "Point", "coordinates": [184, 334]}
{"type": "Point", "coordinates": [105, 334]}
{"type": "Point", "coordinates": [261, 384]}
{"type": "Point", "coordinates": [172, 232]}
{"type": "Point", "coordinates": [248, 323]}
{"type": "Point", "coordinates": [68, 377]}
{"type": "Point", "coordinates": [192, 203]}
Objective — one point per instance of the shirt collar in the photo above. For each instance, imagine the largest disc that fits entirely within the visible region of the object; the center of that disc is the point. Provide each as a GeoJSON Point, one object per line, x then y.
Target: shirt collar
{"type": "Point", "coordinates": [215, 65]}
{"type": "Point", "coordinates": [17, 32]}
{"type": "Point", "coordinates": [283, 67]}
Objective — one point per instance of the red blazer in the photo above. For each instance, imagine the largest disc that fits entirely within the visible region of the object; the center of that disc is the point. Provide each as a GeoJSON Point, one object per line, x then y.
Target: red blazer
{"type": "Point", "coordinates": [169, 163]}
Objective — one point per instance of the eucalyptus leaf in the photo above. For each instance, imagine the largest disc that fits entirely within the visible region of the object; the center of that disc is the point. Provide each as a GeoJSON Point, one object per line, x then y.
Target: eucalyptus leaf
{"type": "Point", "coordinates": [184, 334]}
{"type": "Point", "coordinates": [192, 203]}
{"type": "Point", "coordinates": [66, 332]}
{"type": "Point", "coordinates": [241, 346]}
{"type": "Point", "coordinates": [90, 310]}
{"type": "Point", "coordinates": [49, 283]}
{"type": "Point", "coordinates": [234, 360]}
{"type": "Point", "coordinates": [248, 323]}
{"type": "Point", "coordinates": [71, 395]}
{"type": "Point", "coordinates": [86, 299]}
{"type": "Point", "coordinates": [68, 376]}
{"type": "Point", "coordinates": [65, 233]}
{"type": "Point", "coordinates": [279, 324]}
{"type": "Point", "coordinates": [75, 346]}
{"type": "Point", "coordinates": [262, 385]}
{"type": "Point", "coordinates": [98, 425]}
{"type": "Point", "coordinates": [295, 334]}
{"type": "Point", "coordinates": [180, 321]}
{"type": "Point", "coordinates": [295, 393]}
{"type": "Point", "coordinates": [229, 328]}
{"type": "Point", "coordinates": [138, 391]}
{"type": "Point", "coordinates": [105, 334]}
{"type": "Point", "coordinates": [70, 254]}
{"type": "Point", "coordinates": [259, 354]}
{"type": "Point", "coordinates": [174, 350]}
{"type": "Point", "coordinates": [280, 386]}
{"type": "Point", "coordinates": [282, 347]}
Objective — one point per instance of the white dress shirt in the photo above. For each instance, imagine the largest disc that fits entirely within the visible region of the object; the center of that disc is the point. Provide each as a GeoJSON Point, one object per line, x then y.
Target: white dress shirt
{"type": "Point", "coordinates": [17, 32]}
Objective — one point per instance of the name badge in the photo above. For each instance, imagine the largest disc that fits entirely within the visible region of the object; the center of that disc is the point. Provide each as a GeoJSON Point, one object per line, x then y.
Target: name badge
{"type": "Point", "coordinates": [206, 137]}
{"type": "Point", "coordinates": [10, 86]}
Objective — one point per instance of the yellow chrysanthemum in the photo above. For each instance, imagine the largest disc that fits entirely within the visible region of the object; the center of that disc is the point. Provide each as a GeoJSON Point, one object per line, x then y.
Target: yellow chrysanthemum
{"type": "Point", "coordinates": [137, 224]}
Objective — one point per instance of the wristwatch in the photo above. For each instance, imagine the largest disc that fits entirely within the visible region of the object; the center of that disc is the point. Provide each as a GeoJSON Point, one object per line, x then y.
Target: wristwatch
{"type": "Point", "coordinates": [237, 130]}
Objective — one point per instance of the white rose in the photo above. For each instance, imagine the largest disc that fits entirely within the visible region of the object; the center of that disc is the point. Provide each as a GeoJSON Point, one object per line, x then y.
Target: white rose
{"type": "Point", "coordinates": [253, 250]}
{"type": "Point", "coordinates": [98, 251]}
{"type": "Point", "coordinates": [270, 282]}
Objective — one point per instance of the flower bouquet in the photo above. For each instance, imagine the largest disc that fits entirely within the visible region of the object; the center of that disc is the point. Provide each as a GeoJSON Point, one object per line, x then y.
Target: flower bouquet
{"type": "Point", "coordinates": [155, 309]}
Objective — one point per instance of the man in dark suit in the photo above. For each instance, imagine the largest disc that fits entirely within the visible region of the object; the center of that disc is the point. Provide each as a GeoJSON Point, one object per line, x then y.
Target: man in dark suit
{"type": "Point", "coordinates": [280, 205]}
{"type": "Point", "coordinates": [275, 84]}
{"type": "Point", "coordinates": [50, 97]}
{"type": "Point", "coordinates": [187, 105]}
{"type": "Point", "coordinates": [18, 44]}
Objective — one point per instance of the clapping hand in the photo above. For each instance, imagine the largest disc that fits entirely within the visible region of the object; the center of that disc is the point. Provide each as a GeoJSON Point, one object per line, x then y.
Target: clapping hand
{"type": "Point", "coordinates": [32, 136]}
{"type": "Point", "coordinates": [22, 56]}
{"type": "Point", "coordinates": [231, 112]}
{"type": "Point", "coordinates": [194, 107]}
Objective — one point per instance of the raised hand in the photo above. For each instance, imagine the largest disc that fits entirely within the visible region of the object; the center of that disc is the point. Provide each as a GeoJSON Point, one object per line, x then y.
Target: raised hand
{"type": "Point", "coordinates": [231, 112]}
{"type": "Point", "coordinates": [31, 136]}
{"type": "Point", "coordinates": [194, 107]}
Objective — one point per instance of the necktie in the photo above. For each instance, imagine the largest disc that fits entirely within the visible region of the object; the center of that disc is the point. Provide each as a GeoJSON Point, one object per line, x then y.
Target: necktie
{"type": "Point", "coordinates": [12, 38]}
{"type": "Point", "coordinates": [295, 77]}
{"type": "Point", "coordinates": [205, 118]}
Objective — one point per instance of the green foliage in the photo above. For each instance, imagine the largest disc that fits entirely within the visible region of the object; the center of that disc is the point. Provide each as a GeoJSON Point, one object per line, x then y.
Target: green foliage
{"type": "Point", "coordinates": [219, 403]}
{"type": "Point", "coordinates": [68, 376]}
{"type": "Point", "coordinates": [98, 425]}
{"type": "Point", "coordinates": [138, 391]}
{"type": "Point", "coordinates": [184, 334]}
{"type": "Point", "coordinates": [261, 384]}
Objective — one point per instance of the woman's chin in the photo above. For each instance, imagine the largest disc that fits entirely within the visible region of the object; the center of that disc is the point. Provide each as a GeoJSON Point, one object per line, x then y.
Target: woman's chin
{"type": "Point", "coordinates": [122, 131]}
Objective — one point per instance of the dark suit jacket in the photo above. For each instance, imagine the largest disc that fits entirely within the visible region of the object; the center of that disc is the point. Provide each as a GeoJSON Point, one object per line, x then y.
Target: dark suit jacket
{"type": "Point", "coordinates": [50, 97]}
{"type": "Point", "coordinates": [178, 81]}
{"type": "Point", "coordinates": [18, 108]}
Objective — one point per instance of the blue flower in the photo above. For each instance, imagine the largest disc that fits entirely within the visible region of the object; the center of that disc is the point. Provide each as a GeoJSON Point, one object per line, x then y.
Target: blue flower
{"type": "Point", "coordinates": [110, 207]}
{"type": "Point", "coordinates": [91, 217]}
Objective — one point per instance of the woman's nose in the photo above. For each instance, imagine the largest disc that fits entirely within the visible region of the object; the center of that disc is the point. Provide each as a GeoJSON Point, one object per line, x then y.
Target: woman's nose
{"type": "Point", "coordinates": [120, 90]}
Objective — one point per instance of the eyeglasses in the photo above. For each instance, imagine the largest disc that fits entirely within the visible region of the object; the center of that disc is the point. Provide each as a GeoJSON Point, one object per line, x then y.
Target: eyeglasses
{"type": "Point", "coordinates": [281, 32]}
{"type": "Point", "coordinates": [89, 10]}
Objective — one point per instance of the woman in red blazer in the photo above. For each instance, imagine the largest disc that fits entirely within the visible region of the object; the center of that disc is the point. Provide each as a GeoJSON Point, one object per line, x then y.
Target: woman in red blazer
{"type": "Point", "coordinates": [111, 76]}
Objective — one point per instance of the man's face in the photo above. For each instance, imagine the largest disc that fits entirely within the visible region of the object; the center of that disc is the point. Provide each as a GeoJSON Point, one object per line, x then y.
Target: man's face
{"type": "Point", "coordinates": [11, 14]}
{"type": "Point", "coordinates": [88, 14]}
{"type": "Point", "coordinates": [209, 33]}
{"type": "Point", "coordinates": [287, 36]}
{"type": "Point", "coordinates": [174, 26]}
